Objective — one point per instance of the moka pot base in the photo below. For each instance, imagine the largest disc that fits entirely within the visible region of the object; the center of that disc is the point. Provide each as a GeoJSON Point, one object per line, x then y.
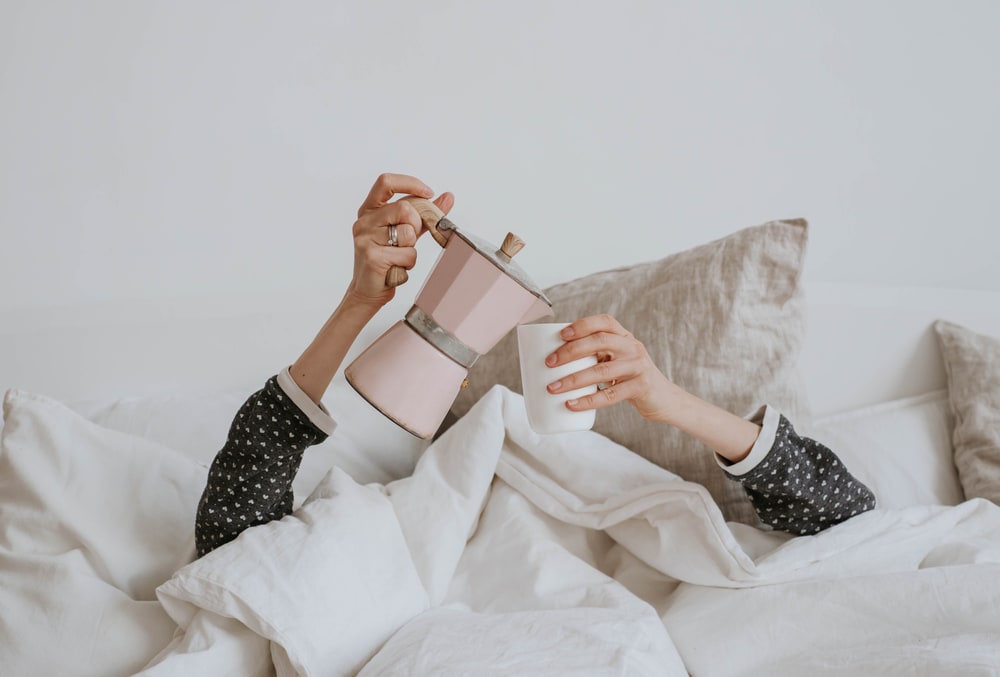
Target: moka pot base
{"type": "Point", "coordinates": [407, 379]}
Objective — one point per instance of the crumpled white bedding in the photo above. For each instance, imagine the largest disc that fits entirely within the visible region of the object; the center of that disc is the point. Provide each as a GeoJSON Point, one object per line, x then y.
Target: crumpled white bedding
{"type": "Point", "coordinates": [579, 557]}
{"type": "Point", "coordinates": [575, 557]}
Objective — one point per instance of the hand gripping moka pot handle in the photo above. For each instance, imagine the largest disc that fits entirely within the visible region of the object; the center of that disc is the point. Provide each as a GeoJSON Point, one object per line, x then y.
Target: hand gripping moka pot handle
{"type": "Point", "coordinates": [431, 216]}
{"type": "Point", "coordinates": [441, 228]}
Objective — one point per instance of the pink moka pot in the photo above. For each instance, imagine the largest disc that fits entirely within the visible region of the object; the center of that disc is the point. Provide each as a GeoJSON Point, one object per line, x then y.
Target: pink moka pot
{"type": "Point", "coordinates": [473, 296]}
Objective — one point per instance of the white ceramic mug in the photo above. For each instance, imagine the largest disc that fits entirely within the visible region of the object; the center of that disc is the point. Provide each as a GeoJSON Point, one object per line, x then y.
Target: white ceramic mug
{"type": "Point", "coordinates": [547, 412]}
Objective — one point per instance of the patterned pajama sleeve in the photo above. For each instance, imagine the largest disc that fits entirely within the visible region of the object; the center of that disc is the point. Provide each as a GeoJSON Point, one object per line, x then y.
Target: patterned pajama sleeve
{"type": "Point", "coordinates": [795, 483]}
{"type": "Point", "coordinates": [250, 480]}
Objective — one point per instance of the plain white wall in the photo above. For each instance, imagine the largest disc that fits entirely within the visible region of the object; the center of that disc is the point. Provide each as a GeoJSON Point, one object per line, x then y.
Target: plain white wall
{"type": "Point", "coordinates": [163, 153]}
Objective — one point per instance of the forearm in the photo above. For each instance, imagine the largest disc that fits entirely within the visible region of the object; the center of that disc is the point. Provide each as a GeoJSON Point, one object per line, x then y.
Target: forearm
{"type": "Point", "coordinates": [319, 362]}
{"type": "Point", "coordinates": [728, 435]}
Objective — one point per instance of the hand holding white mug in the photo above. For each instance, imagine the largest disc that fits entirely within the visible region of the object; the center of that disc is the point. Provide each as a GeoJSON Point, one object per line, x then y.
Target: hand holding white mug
{"type": "Point", "coordinates": [623, 368]}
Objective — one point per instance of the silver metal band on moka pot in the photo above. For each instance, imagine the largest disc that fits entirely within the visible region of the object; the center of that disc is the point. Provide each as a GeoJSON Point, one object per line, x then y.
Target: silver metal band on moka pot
{"type": "Point", "coordinates": [432, 332]}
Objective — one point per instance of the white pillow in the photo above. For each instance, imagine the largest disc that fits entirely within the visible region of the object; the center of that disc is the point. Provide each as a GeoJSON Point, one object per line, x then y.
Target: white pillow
{"type": "Point", "coordinates": [91, 521]}
{"type": "Point", "coordinates": [900, 449]}
{"type": "Point", "coordinates": [366, 444]}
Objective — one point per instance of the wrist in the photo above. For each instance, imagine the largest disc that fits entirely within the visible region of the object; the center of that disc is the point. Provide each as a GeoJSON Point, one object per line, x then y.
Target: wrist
{"type": "Point", "coordinates": [672, 403]}
{"type": "Point", "coordinates": [356, 302]}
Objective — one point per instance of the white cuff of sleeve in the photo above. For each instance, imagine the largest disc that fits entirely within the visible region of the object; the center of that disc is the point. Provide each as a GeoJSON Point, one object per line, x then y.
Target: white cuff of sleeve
{"type": "Point", "coordinates": [768, 418]}
{"type": "Point", "coordinates": [316, 413]}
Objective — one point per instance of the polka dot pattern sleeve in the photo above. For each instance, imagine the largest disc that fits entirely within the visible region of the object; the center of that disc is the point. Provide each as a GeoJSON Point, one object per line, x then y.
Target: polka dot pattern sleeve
{"type": "Point", "coordinates": [250, 481]}
{"type": "Point", "coordinates": [800, 486]}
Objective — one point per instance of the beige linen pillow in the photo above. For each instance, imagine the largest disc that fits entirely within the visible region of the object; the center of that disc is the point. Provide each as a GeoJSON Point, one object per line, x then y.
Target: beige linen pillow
{"type": "Point", "coordinates": [972, 362]}
{"type": "Point", "coordinates": [723, 320]}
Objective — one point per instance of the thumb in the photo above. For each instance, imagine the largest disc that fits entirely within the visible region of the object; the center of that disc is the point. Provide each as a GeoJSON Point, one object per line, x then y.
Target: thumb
{"type": "Point", "coordinates": [445, 201]}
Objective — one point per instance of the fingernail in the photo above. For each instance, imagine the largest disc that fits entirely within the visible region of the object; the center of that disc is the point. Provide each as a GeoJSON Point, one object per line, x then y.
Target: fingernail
{"type": "Point", "coordinates": [555, 386]}
{"type": "Point", "coordinates": [568, 332]}
{"type": "Point", "coordinates": [571, 403]}
{"type": "Point", "coordinates": [551, 360]}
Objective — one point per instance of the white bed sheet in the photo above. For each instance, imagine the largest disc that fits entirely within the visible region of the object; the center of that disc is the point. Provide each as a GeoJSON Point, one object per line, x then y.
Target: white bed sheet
{"type": "Point", "coordinates": [574, 550]}
{"type": "Point", "coordinates": [92, 520]}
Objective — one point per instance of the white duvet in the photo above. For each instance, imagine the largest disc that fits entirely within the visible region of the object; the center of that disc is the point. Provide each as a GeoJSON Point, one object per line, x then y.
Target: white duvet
{"type": "Point", "coordinates": [511, 553]}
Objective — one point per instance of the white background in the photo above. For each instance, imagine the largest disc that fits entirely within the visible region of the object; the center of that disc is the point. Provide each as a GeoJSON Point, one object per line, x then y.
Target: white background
{"type": "Point", "coordinates": [189, 155]}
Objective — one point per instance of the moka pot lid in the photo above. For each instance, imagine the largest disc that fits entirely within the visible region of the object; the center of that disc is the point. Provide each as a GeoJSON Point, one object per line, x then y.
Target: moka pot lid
{"type": "Point", "coordinates": [501, 257]}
